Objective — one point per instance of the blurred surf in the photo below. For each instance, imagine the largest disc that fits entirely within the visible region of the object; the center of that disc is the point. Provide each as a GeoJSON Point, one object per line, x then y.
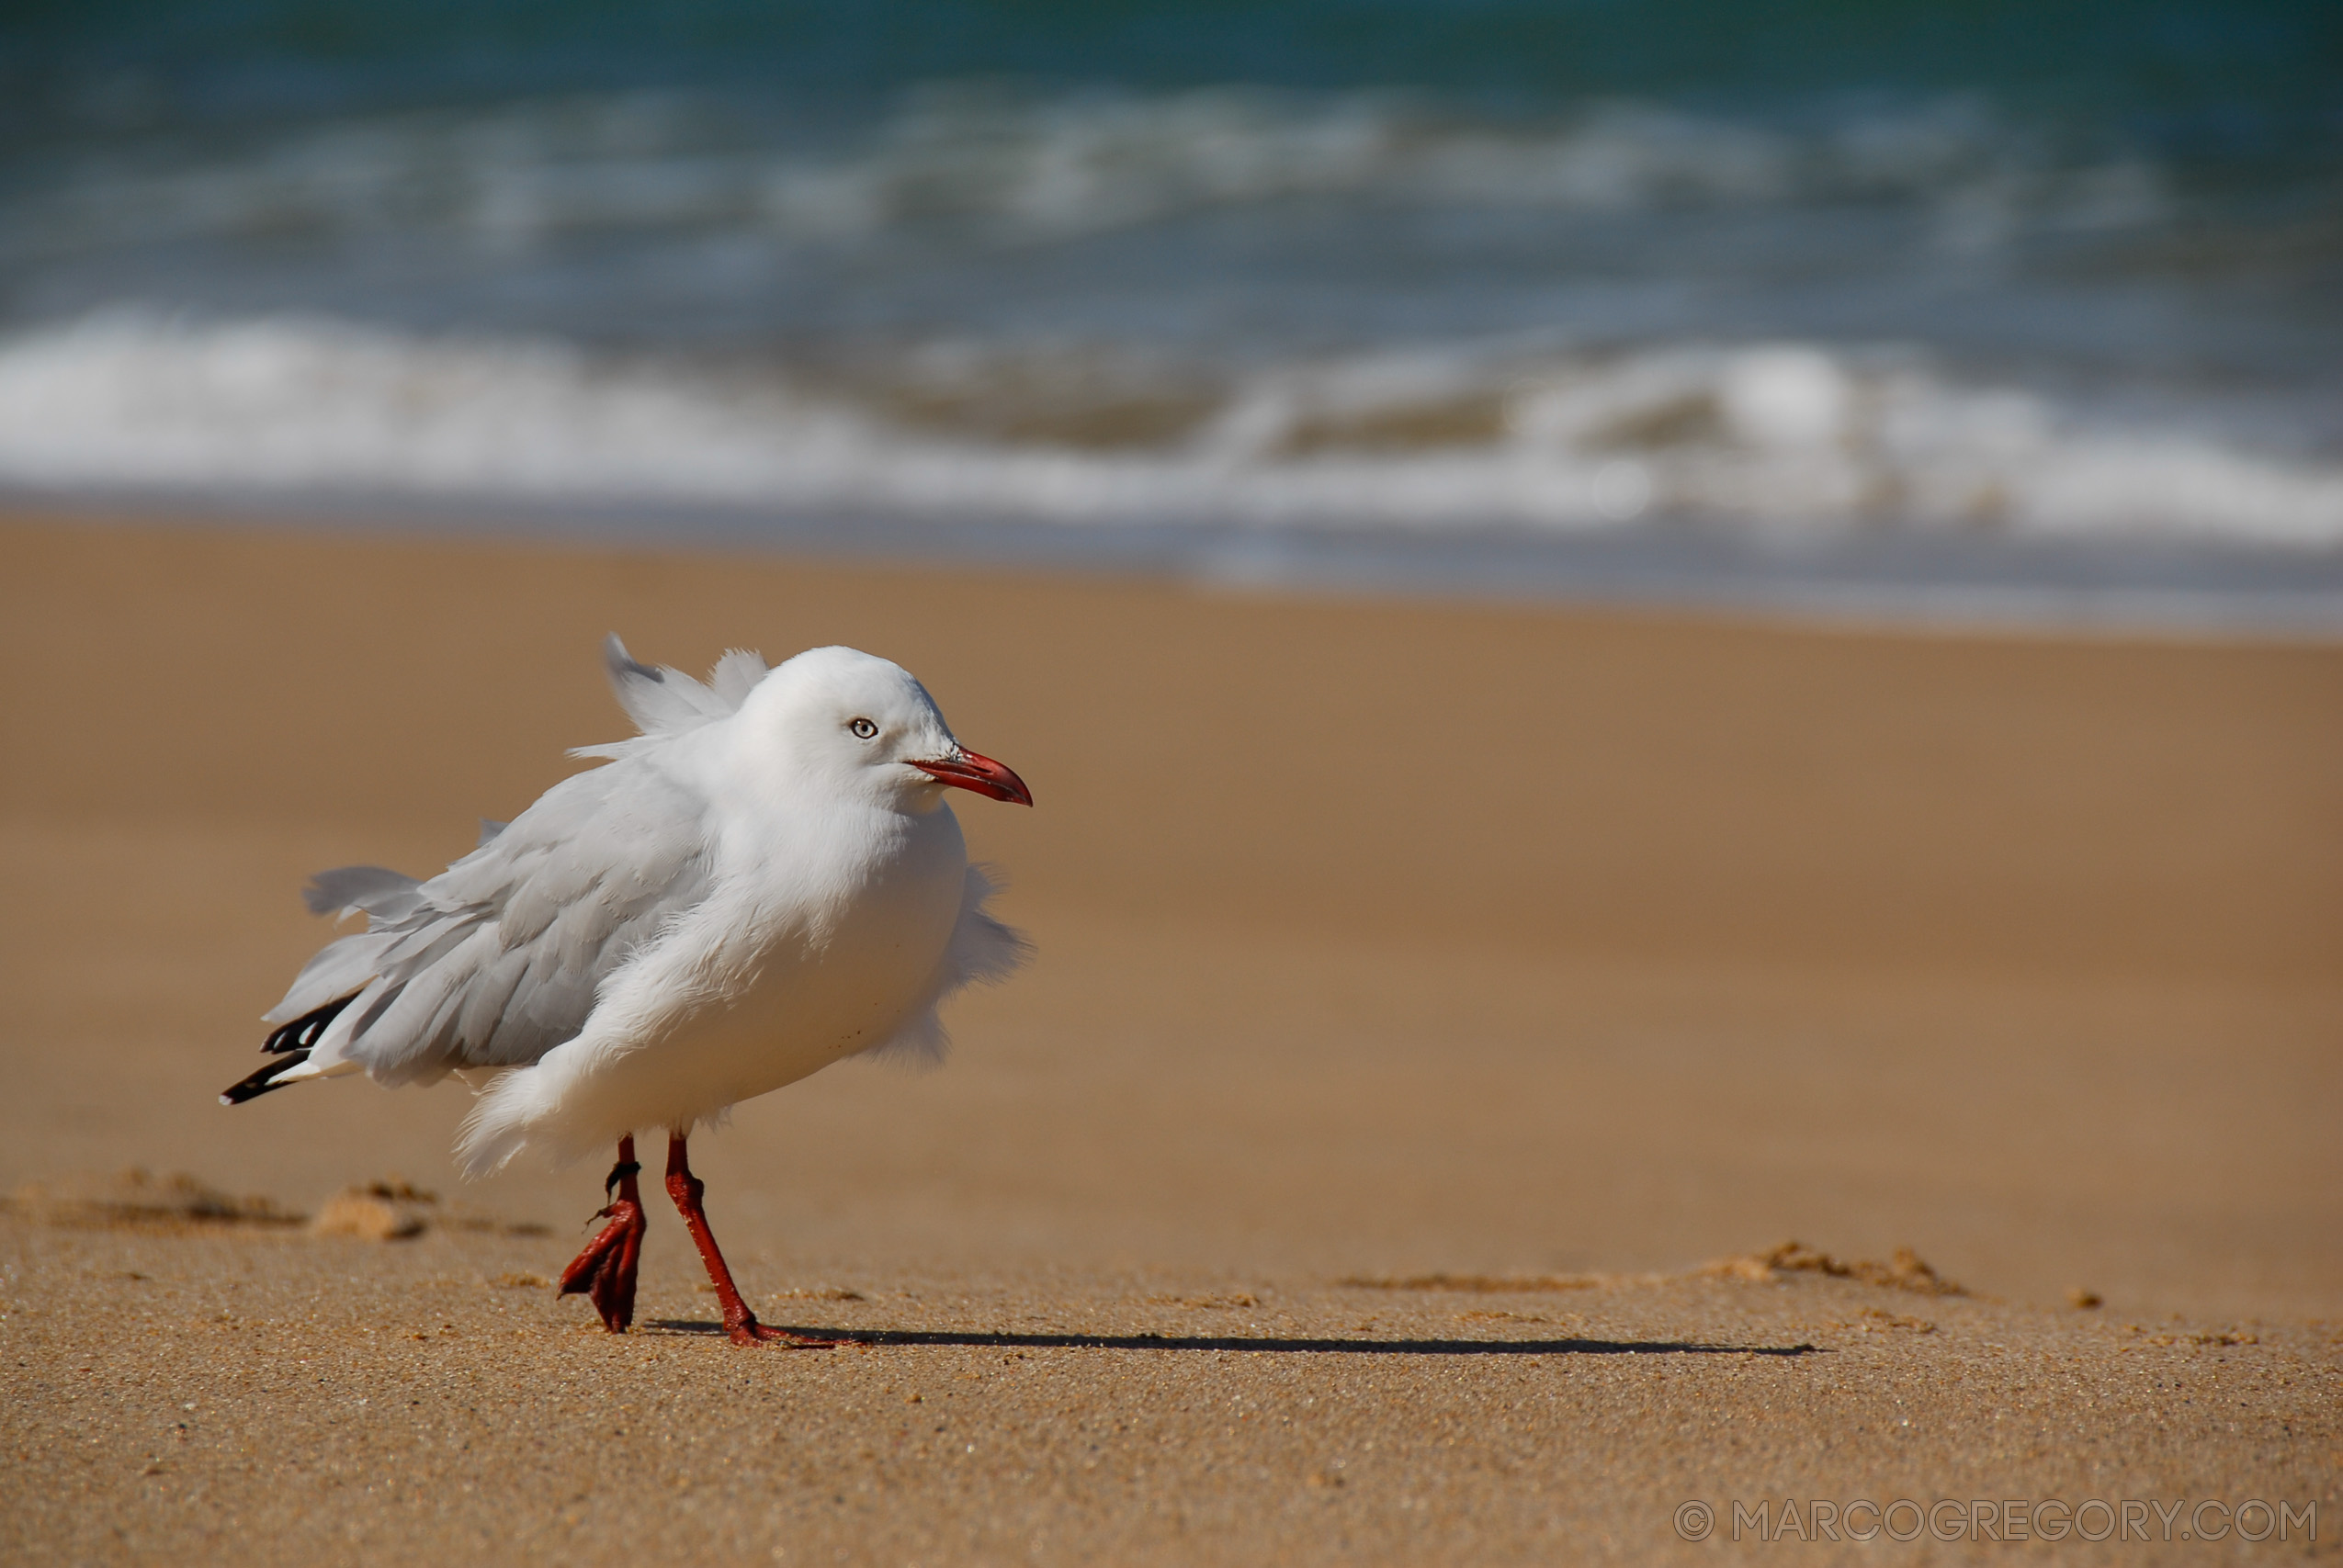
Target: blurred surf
{"type": "Point", "coordinates": [1439, 267]}
{"type": "Point", "coordinates": [1789, 436]}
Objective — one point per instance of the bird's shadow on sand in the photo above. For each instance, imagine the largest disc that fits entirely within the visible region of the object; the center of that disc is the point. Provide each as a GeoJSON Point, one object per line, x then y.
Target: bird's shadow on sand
{"type": "Point", "coordinates": [911, 1337]}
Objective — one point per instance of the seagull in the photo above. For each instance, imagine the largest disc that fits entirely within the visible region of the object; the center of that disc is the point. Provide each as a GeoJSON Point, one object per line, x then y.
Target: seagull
{"type": "Point", "coordinates": [764, 881]}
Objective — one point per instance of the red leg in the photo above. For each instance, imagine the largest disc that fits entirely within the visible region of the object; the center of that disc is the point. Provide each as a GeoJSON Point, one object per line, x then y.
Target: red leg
{"type": "Point", "coordinates": [606, 1270]}
{"type": "Point", "coordinates": [739, 1322]}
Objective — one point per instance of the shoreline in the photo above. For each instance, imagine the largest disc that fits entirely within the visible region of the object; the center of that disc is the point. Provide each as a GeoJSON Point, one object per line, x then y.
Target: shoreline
{"type": "Point", "coordinates": [1929, 583]}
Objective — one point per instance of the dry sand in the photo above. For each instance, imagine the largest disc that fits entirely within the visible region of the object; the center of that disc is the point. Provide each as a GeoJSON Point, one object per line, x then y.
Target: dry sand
{"type": "Point", "coordinates": [1387, 950]}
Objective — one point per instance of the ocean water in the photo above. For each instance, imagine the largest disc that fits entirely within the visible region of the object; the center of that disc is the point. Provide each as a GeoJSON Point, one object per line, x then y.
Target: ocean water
{"type": "Point", "coordinates": [1937, 277]}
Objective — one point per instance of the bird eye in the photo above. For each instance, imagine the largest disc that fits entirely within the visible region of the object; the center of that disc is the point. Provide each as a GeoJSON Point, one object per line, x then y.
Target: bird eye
{"type": "Point", "coordinates": [863, 729]}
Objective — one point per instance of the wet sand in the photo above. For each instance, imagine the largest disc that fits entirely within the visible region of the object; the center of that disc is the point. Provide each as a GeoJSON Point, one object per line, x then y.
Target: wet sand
{"type": "Point", "coordinates": [1380, 942]}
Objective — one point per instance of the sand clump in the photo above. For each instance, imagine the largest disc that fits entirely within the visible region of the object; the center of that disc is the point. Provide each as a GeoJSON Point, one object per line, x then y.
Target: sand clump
{"type": "Point", "coordinates": [138, 1198]}
{"type": "Point", "coordinates": [1907, 1271]}
{"type": "Point", "coordinates": [379, 1212]}
{"type": "Point", "coordinates": [1491, 1284]}
{"type": "Point", "coordinates": [399, 1211]}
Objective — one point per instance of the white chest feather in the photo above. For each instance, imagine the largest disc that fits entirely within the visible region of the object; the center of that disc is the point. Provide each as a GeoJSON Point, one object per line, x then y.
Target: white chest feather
{"type": "Point", "coordinates": [843, 975]}
{"type": "Point", "coordinates": [795, 961]}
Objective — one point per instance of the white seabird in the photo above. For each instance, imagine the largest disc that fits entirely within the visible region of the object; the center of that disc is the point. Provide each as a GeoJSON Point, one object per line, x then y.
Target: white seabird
{"type": "Point", "coordinates": [767, 880]}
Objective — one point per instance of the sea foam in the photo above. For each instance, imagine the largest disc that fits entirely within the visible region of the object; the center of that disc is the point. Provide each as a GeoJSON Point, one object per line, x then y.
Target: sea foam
{"type": "Point", "coordinates": [1781, 436]}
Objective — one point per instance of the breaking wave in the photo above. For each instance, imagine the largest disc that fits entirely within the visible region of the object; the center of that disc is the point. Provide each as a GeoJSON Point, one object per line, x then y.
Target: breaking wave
{"type": "Point", "coordinates": [1780, 435]}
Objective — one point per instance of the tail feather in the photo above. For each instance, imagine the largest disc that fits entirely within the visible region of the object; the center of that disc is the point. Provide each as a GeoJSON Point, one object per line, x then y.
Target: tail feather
{"type": "Point", "coordinates": [501, 1122]}
{"type": "Point", "coordinates": [265, 1080]}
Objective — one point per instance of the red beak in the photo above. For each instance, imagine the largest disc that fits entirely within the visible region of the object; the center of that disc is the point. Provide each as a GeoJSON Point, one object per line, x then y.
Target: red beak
{"type": "Point", "coordinates": [966, 770]}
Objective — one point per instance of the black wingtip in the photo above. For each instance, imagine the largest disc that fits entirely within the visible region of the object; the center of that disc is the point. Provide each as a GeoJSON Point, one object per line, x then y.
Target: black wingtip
{"type": "Point", "coordinates": [263, 1081]}
{"type": "Point", "coordinates": [303, 1033]}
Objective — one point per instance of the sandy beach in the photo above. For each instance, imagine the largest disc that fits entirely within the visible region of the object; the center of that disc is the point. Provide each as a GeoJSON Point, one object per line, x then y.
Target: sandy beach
{"type": "Point", "coordinates": [1444, 1015]}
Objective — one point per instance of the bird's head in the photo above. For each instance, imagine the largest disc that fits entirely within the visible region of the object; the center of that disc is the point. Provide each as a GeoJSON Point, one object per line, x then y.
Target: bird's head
{"type": "Point", "coordinates": [864, 724]}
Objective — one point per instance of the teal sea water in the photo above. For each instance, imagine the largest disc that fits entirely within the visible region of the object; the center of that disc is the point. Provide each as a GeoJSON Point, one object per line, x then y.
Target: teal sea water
{"type": "Point", "coordinates": [2068, 271]}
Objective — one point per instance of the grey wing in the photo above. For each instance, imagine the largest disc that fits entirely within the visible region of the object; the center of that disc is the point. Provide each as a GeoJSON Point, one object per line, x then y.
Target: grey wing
{"type": "Point", "coordinates": [497, 960]}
